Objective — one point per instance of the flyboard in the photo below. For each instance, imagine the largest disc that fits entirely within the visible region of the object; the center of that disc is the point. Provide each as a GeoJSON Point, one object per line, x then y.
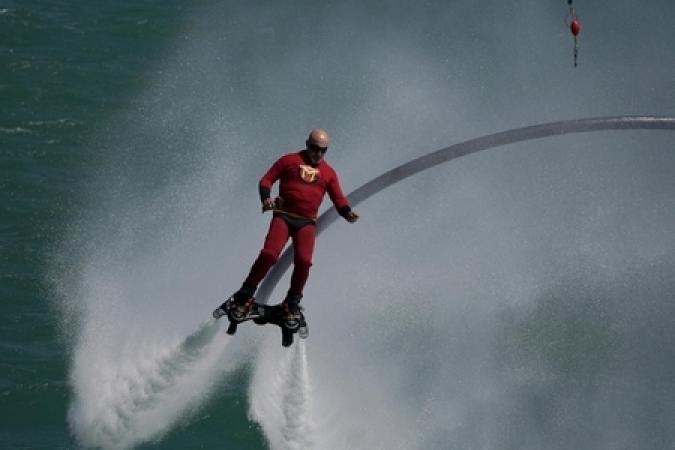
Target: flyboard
{"type": "Point", "coordinates": [260, 314]}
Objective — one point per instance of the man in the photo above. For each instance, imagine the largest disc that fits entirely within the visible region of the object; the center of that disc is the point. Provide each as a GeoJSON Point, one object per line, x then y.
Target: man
{"type": "Point", "coordinates": [304, 178]}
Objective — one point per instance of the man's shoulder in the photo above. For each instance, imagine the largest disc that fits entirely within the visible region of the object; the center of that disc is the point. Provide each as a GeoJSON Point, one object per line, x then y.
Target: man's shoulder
{"type": "Point", "coordinates": [291, 156]}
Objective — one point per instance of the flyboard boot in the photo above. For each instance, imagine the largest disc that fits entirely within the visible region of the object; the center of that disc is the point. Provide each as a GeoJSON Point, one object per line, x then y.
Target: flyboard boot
{"type": "Point", "coordinates": [240, 307]}
{"type": "Point", "coordinates": [292, 320]}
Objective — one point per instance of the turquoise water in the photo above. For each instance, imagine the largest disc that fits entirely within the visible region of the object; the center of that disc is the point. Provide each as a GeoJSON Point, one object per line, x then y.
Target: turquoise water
{"type": "Point", "coordinates": [67, 68]}
{"type": "Point", "coordinates": [132, 135]}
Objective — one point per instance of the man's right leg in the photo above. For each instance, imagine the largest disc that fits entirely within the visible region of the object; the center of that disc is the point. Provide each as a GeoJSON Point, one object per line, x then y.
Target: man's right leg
{"type": "Point", "coordinates": [275, 240]}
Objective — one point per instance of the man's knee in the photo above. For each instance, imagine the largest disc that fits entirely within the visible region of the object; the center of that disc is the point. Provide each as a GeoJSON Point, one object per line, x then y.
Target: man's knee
{"type": "Point", "coordinates": [303, 262]}
{"type": "Point", "coordinates": [269, 257]}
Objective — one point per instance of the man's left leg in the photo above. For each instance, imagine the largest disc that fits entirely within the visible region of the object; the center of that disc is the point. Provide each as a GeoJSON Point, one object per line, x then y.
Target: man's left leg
{"type": "Point", "coordinates": [303, 249]}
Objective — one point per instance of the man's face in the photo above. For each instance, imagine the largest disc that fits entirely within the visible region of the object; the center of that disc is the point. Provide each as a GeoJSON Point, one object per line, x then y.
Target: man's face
{"type": "Point", "coordinates": [315, 152]}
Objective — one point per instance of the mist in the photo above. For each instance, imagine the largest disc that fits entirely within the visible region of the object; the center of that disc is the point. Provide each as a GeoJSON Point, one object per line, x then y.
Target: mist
{"type": "Point", "coordinates": [520, 297]}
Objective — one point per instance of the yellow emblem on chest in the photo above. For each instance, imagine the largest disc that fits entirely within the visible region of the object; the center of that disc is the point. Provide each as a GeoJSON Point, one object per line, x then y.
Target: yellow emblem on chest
{"type": "Point", "coordinates": [308, 173]}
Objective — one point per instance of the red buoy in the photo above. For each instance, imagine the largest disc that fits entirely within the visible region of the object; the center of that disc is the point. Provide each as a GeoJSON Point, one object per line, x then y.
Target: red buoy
{"type": "Point", "coordinates": [575, 27]}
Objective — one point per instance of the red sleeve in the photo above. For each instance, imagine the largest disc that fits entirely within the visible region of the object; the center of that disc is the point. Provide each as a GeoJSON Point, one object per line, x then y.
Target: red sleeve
{"type": "Point", "coordinates": [271, 176]}
{"type": "Point", "coordinates": [335, 193]}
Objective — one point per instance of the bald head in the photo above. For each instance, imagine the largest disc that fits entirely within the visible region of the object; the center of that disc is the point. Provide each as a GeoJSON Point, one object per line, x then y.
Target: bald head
{"type": "Point", "coordinates": [318, 137]}
{"type": "Point", "coordinates": [317, 144]}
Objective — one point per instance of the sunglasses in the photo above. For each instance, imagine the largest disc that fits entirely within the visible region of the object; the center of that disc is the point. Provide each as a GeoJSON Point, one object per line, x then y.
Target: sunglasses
{"type": "Point", "coordinates": [315, 148]}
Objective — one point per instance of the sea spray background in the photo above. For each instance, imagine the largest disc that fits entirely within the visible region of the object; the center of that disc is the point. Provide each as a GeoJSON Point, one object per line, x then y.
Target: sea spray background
{"type": "Point", "coordinates": [519, 298]}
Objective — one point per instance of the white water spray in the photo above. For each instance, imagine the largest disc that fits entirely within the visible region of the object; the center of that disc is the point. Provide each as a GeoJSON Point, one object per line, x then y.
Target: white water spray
{"type": "Point", "coordinates": [281, 397]}
{"type": "Point", "coordinates": [131, 387]}
{"type": "Point", "coordinates": [143, 357]}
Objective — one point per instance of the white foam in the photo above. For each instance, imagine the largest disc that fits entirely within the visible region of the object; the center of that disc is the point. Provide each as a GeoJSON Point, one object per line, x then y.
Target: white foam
{"type": "Point", "coordinates": [281, 395]}
{"type": "Point", "coordinates": [131, 384]}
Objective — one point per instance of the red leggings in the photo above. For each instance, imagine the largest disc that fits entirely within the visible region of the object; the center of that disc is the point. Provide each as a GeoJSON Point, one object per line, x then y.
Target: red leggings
{"type": "Point", "coordinates": [277, 236]}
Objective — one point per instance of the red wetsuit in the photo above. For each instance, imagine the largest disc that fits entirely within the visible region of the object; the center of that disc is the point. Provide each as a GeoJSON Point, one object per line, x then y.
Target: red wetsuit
{"type": "Point", "coordinates": [302, 187]}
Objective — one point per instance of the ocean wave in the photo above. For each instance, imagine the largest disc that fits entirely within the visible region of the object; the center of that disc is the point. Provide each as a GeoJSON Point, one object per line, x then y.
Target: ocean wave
{"type": "Point", "coordinates": [56, 122]}
{"type": "Point", "coordinates": [15, 130]}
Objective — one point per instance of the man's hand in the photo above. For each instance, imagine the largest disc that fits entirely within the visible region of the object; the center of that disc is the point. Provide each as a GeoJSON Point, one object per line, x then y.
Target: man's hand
{"type": "Point", "coordinates": [352, 217]}
{"type": "Point", "coordinates": [268, 204]}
